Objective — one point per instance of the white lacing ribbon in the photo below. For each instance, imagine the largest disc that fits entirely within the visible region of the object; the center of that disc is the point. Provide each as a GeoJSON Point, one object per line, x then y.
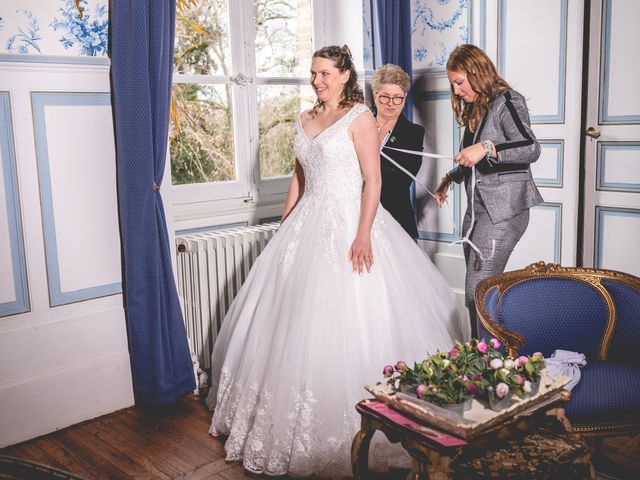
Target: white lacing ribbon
{"type": "Point", "coordinates": [465, 238]}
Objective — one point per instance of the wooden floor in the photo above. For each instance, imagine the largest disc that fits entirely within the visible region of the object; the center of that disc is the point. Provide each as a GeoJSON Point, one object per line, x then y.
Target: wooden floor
{"type": "Point", "coordinates": [173, 443]}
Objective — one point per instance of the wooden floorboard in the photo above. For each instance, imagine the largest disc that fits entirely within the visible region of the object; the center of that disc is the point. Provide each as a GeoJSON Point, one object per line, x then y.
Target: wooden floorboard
{"type": "Point", "coordinates": [173, 443]}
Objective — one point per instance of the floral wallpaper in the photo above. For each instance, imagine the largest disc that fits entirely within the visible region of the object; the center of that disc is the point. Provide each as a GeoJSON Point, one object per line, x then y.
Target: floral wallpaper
{"type": "Point", "coordinates": [437, 27]}
{"type": "Point", "coordinates": [54, 27]}
{"type": "Point", "coordinates": [367, 36]}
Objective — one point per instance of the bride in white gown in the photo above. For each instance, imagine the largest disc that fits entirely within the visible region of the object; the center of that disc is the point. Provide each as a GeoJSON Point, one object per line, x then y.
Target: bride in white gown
{"type": "Point", "coordinates": [338, 293]}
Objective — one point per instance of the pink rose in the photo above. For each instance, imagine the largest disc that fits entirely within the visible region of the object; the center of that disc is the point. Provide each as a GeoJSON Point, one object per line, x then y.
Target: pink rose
{"type": "Point", "coordinates": [502, 389]}
{"type": "Point", "coordinates": [465, 378]}
{"type": "Point", "coordinates": [421, 391]}
{"type": "Point", "coordinates": [400, 366]}
{"type": "Point", "coordinates": [538, 354]}
{"type": "Point", "coordinates": [521, 360]}
{"type": "Point", "coordinates": [453, 353]}
{"type": "Point", "coordinates": [482, 347]}
{"type": "Point", "coordinates": [518, 378]}
{"type": "Point", "coordinates": [495, 343]}
{"type": "Point", "coordinates": [387, 371]}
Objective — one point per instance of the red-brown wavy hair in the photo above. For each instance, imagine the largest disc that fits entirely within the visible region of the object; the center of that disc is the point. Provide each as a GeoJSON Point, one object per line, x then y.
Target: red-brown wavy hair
{"type": "Point", "coordinates": [484, 80]}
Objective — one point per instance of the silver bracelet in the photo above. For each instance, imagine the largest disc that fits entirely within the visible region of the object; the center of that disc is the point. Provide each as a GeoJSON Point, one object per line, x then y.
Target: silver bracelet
{"type": "Point", "coordinates": [488, 148]}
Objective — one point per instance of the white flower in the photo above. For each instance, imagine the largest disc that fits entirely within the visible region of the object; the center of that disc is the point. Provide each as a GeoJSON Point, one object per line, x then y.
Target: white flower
{"type": "Point", "coordinates": [505, 371]}
{"type": "Point", "coordinates": [445, 363]}
{"type": "Point", "coordinates": [527, 386]}
{"type": "Point", "coordinates": [496, 363]}
{"type": "Point", "coordinates": [502, 389]}
{"type": "Point", "coordinates": [509, 364]}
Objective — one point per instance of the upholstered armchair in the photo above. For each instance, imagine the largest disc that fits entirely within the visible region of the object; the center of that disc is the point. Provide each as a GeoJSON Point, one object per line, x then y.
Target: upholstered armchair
{"type": "Point", "coordinates": [595, 312]}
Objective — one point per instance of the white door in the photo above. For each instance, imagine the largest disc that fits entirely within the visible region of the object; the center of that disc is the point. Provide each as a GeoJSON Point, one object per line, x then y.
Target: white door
{"type": "Point", "coordinates": [545, 65]}
{"type": "Point", "coordinates": [612, 140]}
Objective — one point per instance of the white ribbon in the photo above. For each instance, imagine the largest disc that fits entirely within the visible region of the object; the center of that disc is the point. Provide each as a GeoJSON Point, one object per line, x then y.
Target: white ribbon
{"type": "Point", "coordinates": [465, 238]}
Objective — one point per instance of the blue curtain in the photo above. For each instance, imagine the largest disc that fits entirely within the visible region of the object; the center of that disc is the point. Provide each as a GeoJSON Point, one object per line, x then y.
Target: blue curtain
{"type": "Point", "coordinates": [391, 31]}
{"type": "Point", "coordinates": [392, 38]}
{"type": "Point", "coordinates": [141, 43]}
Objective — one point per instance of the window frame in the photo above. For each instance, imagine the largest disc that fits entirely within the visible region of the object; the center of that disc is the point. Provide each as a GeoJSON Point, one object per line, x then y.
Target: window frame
{"type": "Point", "coordinates": [244, 81]}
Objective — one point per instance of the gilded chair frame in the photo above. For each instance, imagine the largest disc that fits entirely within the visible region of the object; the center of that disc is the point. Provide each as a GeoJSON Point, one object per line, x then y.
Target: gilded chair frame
{"type": "Point", "coordinates": [514, 341]}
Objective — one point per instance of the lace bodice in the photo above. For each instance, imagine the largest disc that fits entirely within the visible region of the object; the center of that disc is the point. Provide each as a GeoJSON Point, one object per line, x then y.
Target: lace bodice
{"type": "Point", "coordinates": [329, 160]}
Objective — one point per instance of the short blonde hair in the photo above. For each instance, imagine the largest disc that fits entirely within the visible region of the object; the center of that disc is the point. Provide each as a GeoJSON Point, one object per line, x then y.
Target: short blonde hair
{"type": "Point", "coordinates": [390, 74]}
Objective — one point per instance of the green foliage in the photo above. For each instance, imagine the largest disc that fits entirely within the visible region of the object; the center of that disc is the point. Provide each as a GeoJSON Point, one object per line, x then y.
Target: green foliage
{"type": "Point", "coordinates": [201, 138]}
{"type": "Point", "coordinates": [474, 368]}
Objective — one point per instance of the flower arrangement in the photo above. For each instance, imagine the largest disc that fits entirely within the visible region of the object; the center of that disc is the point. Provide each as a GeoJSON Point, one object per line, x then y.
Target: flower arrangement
{"type": "Point", "coordinates": [473, 369]}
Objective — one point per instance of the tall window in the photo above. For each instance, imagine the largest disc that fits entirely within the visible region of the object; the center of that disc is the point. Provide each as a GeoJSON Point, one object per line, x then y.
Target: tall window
{"type": "Point", "coordinates": [240, 79]}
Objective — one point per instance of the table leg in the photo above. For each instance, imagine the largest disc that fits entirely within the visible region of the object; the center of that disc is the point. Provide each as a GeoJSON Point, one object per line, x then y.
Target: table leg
{"type": "Point", "coordinates": [360, 453]}
{"type": "Point", "coordinates": [439, 466]}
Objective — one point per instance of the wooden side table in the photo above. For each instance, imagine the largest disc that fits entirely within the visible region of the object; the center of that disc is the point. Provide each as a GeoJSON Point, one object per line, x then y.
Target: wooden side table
{"type": "Point", "coordinates": [436, 454]}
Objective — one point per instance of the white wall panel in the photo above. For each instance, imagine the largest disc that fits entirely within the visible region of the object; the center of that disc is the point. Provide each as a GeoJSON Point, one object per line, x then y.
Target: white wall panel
{"type": "Point", "coordinates": [7, 285]}
{"type": "Point", "coordinates": [14, 296]}
{"type": "Point", "coordinates": [618, 166]}
{"type": "Point", "coordinates": [77, 180]}
{"type": "Point", "coordinates": [542, 239]}
{"type": "Point", "coordinates": [442, 138]}
{"type": "Point", "coordinates": [532, 58]}
{"type": "Point", "coordinates": [619, 102]}
{"type": "Point", "coordinates": [616, 241]}
{"type": "Point", "coordinates": [547, 171]}
{"type": "Point", "coordinates": [92, 336]}
{"type": "Point", "coordinates": [64, 397]}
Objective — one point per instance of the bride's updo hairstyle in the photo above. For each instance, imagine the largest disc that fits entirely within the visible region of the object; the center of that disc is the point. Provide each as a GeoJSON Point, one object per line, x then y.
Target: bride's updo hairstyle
{"type": "Point", "coordinates": [343, 61]}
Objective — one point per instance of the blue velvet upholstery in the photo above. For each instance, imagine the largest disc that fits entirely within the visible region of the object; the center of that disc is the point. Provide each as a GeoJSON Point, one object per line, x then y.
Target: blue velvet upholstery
{"type": "Point", "coordinates": [626, 339]}
{"type": "Point", "coordinates": [595, 312]}
{"type": "Point", "coordinates": [580, 307]}
{"type": "Point", "coordinates": [491, 304]}
{"type": "Point", "coordinates": [608, 392]}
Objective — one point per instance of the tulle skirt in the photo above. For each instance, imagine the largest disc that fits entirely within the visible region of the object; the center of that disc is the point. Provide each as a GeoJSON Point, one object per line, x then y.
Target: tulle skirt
{"type": "Point", "coordinates": [305, 334]}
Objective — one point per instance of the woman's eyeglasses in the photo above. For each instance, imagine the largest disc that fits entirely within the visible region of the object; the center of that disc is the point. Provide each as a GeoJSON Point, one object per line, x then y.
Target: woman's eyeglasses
{"type": "Point", "coordinates": [385, 99]}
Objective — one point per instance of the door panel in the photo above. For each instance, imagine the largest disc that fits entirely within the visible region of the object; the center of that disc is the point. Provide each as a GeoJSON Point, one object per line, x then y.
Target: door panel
{"type": "Point", "coordinates": [612, 140]}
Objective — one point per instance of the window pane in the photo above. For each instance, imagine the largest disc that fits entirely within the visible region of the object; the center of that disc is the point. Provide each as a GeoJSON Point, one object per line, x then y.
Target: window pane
{"type": "Point", "coordinates": [278, 108]}
{"type": "Point", "coordinates": [201, 134]}
{"type": "Point", "coordinates": [202, 38]}
{"type": "Point", "coordinates": [283, 37]}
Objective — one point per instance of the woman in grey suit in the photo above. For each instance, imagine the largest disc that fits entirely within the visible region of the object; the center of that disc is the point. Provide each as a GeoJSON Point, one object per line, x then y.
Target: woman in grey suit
{"type": "Point", "coordinates": [499, 142]}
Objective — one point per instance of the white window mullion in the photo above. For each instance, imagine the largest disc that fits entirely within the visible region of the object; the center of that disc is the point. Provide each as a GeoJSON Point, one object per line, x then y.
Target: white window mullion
{"type": "Point", "coordinates": [245, 120]}
{"type": "Point", "coordinates": [276, 185]}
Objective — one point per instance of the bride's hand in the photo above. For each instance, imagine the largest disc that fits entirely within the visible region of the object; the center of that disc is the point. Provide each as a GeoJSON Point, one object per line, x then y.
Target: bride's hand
{"type": "Point", "coordinates": [361, 254]}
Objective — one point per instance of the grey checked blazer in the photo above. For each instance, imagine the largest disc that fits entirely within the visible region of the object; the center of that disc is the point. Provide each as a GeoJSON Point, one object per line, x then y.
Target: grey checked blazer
{"type": "Point", "coordinates": [504, 183]}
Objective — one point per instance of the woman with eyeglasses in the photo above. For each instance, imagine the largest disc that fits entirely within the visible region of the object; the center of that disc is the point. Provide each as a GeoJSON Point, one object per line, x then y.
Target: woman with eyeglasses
{"type": "Point", "coordinates": [390, 85]}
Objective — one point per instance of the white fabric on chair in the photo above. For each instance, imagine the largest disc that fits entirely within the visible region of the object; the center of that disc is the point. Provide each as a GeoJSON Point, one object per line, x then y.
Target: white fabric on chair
{"type": "Point", "coordinates": [564, 362]}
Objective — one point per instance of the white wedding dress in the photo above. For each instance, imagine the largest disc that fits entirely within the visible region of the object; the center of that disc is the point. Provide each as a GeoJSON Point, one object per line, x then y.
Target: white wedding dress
{"type": "Point", "coordinates": [305, 333]}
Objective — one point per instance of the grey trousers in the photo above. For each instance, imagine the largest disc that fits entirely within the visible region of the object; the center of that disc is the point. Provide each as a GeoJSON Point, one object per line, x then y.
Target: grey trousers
{"type": "Point", "coordinates": [506, 234]}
